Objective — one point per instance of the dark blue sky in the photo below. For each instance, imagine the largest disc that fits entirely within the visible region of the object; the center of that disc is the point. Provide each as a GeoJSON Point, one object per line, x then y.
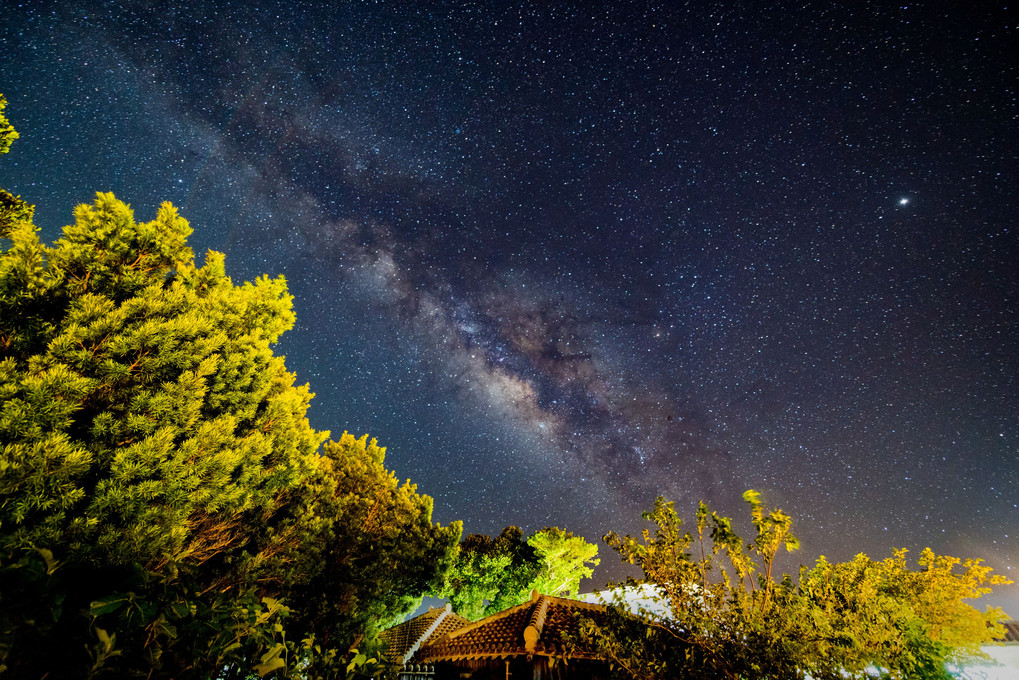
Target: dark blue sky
{"type": "Point", "coordinates": [560, 260]}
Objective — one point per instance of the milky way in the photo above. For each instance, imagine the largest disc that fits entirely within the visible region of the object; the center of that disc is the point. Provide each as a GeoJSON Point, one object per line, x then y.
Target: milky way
{"type": "Point", "coordinates": [561, 260]}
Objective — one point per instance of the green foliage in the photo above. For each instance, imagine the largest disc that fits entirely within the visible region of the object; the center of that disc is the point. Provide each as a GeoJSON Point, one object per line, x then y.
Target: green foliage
{"type": "Point", "coordinates": [487, 572]}
{"type": "Point", "coordinates": [379, 552]}
{"type": "Point", "coordinates": [164, 510]}
{"type": "Point", "coordinates": [490, 575]}
{"type": "Point", "coordinates": [7, 132]}
{"type": "Point", "coordinates": [13, 210]}
{"type": "Point", "coordinates": [364, 662]}
{"type": "Point", "coordinates": [564, 560]}
{"type": "Point", "coordinates": [882, 613]}
{"type": "Point", "coordinates": [715, 611]}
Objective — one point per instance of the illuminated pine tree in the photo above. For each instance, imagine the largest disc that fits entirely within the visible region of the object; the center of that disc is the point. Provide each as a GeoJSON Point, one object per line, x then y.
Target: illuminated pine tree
{"type": "Point", "coordinates": [145, 421]}
{"type": "Point", "coordinates": [164, 506]}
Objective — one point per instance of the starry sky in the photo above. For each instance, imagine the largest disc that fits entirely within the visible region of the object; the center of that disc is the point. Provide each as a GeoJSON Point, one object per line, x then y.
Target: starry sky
{"type": "Point", "coordinates": [563, 259]}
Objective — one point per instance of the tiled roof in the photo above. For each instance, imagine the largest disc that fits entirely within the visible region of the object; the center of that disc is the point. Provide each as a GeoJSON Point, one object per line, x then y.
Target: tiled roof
{"type": "Point", "coordinates": [402, 640]}
{"type": "Point", "coordinates": [535, 627]}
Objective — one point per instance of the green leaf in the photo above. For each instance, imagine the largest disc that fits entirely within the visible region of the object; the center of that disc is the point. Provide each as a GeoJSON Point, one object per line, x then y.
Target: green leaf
{"type": "Point", "coordinates": [99, 607]}
{"type": "Point", "coordinates": [269, 666]}
{"type": "Point", "coordinates": [47, 556]}
{"type": "Point", "coordinates": [271, 661]}
{"type": "Point", "coordinates": [272, 653]}
{"type": "Point", "coordinates": [106, 639]}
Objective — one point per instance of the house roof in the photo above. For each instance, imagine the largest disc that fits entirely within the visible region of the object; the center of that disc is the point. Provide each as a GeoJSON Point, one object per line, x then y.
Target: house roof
{"type": "Point", "coordinates": [402, 640]}
{"type": "Point", "coordinates": [533, 628]}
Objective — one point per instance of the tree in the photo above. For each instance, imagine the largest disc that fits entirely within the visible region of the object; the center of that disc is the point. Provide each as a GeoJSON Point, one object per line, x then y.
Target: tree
{"type": "Point", "coordinates": [7, 132]}
{"type": "Point", "coordinates": [882, 614]}
{"type": "Point", "coordinates": [490, 575]}
{"type": "Point", "coordinates": [716, 610]}
{"type": "Point", "coordinates": [564, 560]}
{"type": "Point", "coordinates": [145, 422]}
{"type": "Point", "coordinates": [380, 551]}
{"type": "Point", "coordinates": [164, 507]}
{"type": "Point", "coordinates": [487, 573]}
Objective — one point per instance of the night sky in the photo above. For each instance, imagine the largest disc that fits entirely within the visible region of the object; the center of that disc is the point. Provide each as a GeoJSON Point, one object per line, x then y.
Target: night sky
{"type": "Point", "coordinates": [560, 260]}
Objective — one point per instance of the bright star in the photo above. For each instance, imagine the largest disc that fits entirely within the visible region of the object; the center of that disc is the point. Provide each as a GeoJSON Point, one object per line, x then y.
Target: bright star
{"type": "Point", "coordinates": [903, 201]}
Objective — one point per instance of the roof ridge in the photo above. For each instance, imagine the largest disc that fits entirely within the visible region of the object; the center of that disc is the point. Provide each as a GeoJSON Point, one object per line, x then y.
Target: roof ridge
{"type": "Point", "coordinates": [574, 603]}
{"type": "Point", "coordinates": [532, 633]}
{"type": "Point", "coordinates": [425, 635]}
{"type": "Point", "coordinates": [538, 613]}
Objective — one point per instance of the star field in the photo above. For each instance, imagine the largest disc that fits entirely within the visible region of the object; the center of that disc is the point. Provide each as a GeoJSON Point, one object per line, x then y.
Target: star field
{"type": "Point", "coordinates": [561, 260]}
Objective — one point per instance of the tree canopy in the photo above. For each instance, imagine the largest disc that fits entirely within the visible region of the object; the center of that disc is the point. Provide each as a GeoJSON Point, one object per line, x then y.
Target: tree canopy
{"type": "Point", "coordinates": [167, 510]}
{"type": "Point", "coordinates": [564, 561]}
{"type": "Point", "coordinates": [718, 612]}
{"type": "Point", "coordinates": [492, 574]}
{"type": "Point", "coordinates": [7, 132]}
